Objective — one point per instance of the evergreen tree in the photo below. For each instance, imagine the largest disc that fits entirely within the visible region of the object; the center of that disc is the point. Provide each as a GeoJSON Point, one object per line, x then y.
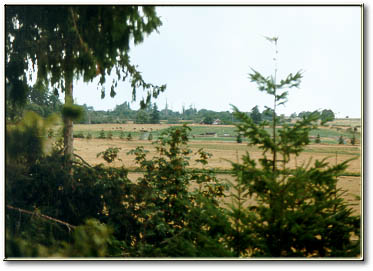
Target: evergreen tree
{"type": "Point", "coordinates": [298, 212]}
{"type": "Point", "coordinates": [255, 115]}
{"type": "Point", "coordinates": [154, 115]}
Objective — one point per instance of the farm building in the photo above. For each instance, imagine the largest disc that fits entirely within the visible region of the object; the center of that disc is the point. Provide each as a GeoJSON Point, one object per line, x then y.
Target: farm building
{"type": "Point", "coordinates": [217, 122]}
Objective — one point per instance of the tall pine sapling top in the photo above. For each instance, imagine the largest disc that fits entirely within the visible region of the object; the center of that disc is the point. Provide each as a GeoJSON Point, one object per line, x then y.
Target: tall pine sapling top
{"type": "Point", "coordinates": [299, 210]}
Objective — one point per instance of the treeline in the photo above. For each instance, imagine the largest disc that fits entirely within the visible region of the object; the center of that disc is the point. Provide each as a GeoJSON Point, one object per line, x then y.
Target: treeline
{"type": "Point", "coordinates": [45, 103]}
{"type": "Point", "coordinates": [152, 114]}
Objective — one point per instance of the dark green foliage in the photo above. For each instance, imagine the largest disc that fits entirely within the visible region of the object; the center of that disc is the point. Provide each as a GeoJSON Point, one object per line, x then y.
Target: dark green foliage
{"type": "Point", "coordinates": [353, 140]}
{"type": "Point", "coordinates": [91, 239]}
{"type": "Point", "coordinates": [110, 154]}
{"type": "Point", "coordinates": [327, 115]}
{"type": "Point", "coordinates": [240, 238]}
{"type": "Point", "coordinates": [26, 140]}
{"type": "Point", "coordinates": [255, 115]}
{"type": "Point", "coordinates": [180, 221]}
{"type": "Point", "coordinates": [150, 137]}
{"type": "Point", "coordinates": [142, 117]}
{"type": "Point", "coordinates": [129, 136]}
{"type": "Point", "coordinates": [72, 111]}
{"type": "Point", "coordinates": [102, 134]}
{"type": "Point", "coordinates": [99, 40]}
{"type": "Point", "coordinates": [317, 140]}
{"type": "Point", "coordinates": [208, 120]}
{"type": "Point", "coordinates": [298, 212]}
{"type": "Point", "coordinates": [341, 140]}
{"type": "Point", "coordinates": [154, 115]}
{"type": "Point", "coordinates": [79, 135]}
{"type": "Point", "coordinates": [239, 138]}
{"type": "Point", "coordinates": [169, 212]}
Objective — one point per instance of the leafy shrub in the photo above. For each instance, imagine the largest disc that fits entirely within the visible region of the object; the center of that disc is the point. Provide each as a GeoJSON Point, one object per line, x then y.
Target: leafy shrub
{"type": "Point", "coordinates": [150, 137]}
{"type": "Point", "coordinates": [317, 140]}
{"type": "Point", "coordinates": [170, 211]}
{"type": "Point", "coordinates": [239, 138]}
{"type": "Point", "coordinates": [110, 135]}
{"type": "Point", "coordinates": [89, 136]}
{"type": "Point", "coordinates": [26, 140]}
{"type": "Point", "coordinates": [353, 140]}
{"type": "Point", "coordinates": [102, 134]}
{"type": "Point", "coordinates": [129, 136]}
{"type": "Point", "coordinates": [341, 140]}
{"type": "Point", "coordinates": [110, 154]}
{"type": "Point", "coordinates": [180, 221]}
{"type": "Point", "coordinates": [79, 135]}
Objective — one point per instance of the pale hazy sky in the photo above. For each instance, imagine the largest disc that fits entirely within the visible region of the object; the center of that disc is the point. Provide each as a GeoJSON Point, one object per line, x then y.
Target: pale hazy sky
{"type": "Point", "coordinates": [204, 55]}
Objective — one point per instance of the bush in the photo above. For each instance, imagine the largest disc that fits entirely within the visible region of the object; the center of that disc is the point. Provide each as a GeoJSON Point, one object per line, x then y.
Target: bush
{"type": "Point", "coordinates": [102, 134]}
{"type": "Point", "coordinates": [170, 211]}
{"type": "Point", "coordinates": [79, 135]}
{"type": "Point", "coordinates": [317, 140]}
{"type": "Point", "coordinates": [110, 135]}
{"type": "Point", "coordinates": [110, 154]}
{"type": "Point", "coordinates": [353, 140]}
{"type": "Point", "coordinates": [181, 207]}
{"type": "Point", "coordinates": [341, 140]}
{"type": "Point", "coordinates": [239, 138]}
{"type": "Point", "coordinates": [150, 137]}
{"type": "Point", "coordinates": [121, 135]}
{"type": "Point", "coordinates": [129, 137]}
{"type": "Point", "coordinates": [89, 136]}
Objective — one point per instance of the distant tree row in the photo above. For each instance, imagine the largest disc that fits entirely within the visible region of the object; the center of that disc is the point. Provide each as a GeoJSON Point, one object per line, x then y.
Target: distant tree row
{"type": "Point", "coordinates": [44, 103]}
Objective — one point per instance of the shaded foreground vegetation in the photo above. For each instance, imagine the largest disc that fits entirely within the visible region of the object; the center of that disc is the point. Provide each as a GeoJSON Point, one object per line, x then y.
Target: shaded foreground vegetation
{"type": "Point", "coordinates": [171, 211]}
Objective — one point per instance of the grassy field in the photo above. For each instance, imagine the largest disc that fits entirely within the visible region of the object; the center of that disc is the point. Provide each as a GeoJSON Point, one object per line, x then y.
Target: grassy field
{"type": "Point", "coordinates": [227, 133]}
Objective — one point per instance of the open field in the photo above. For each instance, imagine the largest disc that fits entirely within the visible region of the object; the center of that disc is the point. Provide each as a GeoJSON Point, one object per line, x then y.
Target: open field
{"type": "Point", "coordinates": [329, 134]}
{"type": "Point", "coordinates": [223, 150]}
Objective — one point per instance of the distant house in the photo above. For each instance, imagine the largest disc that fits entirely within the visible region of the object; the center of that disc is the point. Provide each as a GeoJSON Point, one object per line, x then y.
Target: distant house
{"type": "Point", "coordinates": [217, 122]}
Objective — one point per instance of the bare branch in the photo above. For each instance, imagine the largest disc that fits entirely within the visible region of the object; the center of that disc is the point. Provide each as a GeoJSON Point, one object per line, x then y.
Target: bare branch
{"type": "Point", "coordinates": [69, 226]}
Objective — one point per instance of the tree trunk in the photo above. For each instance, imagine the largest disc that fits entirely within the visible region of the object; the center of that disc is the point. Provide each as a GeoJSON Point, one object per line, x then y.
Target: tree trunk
{"type": "Point", "coordinates": [68, 123]}
{"type": "Point", "coordinates": [68, 139]}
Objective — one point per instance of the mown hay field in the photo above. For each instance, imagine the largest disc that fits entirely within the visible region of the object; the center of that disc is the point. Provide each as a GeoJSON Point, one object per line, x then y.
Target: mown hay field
{"type": "Point", "coordinates": [223, 151]}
